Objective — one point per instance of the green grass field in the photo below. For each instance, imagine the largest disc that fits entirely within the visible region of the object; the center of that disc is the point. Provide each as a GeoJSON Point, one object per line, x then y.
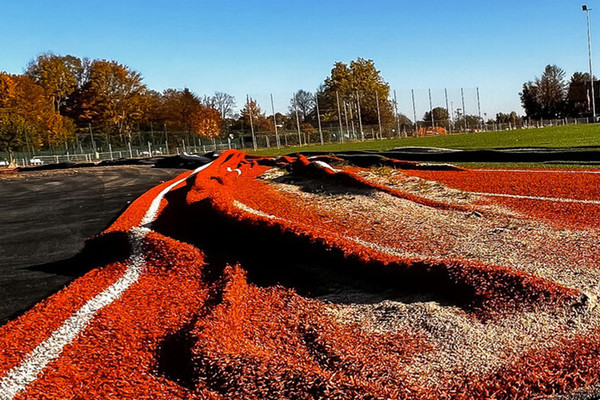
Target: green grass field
{"type": "Point", "coordinates": [562, 136]}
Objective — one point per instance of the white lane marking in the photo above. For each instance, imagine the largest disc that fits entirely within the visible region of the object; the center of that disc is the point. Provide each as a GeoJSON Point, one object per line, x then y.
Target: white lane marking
{"type": "Point", "coordinates": [254, 211]}
{"type": "Point", "coordinates": [49, 350]}
{"type": "Point", "coordinates": [324, 165]}
{"type": "Point", "coordinates": [383, 249]}
{"type": "Point", "coordinates": [566, 171]}
{"type": "Point", "coordinates": [239, 171]}
{"type": "Point", "coordinates": [19, 377]}
{"type": "Point", "coordinates": [153, 209]}
{"type": "Point", "coordinates": [397, 252]}
{"type": "Point", "coordinates": [540, 198]}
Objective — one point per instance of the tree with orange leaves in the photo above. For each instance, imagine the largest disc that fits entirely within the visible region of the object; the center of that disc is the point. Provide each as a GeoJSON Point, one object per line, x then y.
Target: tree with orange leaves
{"type": "Point", "coordinates": [60, 76]}
{"type": "Point", "coordinates": [27, 116]}
{"type": "Point", "coordinates": [206, 122]}
{"type": "Point", "coordinates": [113, 97]}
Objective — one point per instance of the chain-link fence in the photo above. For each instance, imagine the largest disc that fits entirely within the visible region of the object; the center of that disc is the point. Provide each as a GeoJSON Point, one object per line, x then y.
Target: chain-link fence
{"type": "Point", "coordinates": [98, 147]}
{"type": "Point", "coordinates": [344, 119]}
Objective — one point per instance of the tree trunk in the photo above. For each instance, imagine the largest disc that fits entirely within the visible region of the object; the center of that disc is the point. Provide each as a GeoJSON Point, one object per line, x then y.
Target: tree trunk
{"type": "Point", "coordinates": [11, 158]}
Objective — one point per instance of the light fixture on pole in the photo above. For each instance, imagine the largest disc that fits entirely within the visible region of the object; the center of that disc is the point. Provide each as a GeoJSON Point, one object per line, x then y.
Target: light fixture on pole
{"type": "Point", "coordinates": [587, 12]}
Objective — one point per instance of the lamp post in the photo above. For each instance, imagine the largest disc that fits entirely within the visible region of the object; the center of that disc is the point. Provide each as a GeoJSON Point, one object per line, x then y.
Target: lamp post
{"type": "Point", "coordinates": [587, 13]}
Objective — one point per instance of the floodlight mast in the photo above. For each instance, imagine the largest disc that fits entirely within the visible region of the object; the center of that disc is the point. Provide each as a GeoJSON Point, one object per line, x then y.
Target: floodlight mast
{"type": "Point", "coordinates": [587, 13]}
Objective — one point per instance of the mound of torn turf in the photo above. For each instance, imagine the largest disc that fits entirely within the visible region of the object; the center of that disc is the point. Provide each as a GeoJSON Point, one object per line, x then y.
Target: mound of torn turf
{"type": "Point", "coordinates": [292, 278]}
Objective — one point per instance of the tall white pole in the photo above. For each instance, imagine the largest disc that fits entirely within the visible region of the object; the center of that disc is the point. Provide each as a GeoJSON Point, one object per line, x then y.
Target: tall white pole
{"type": "Point", "coordinates": [275, 123]}
{"type": "Point", "coordinates": [378, 115]}
{"type": "Point", "coordinates": [254, 145]}
{"type": "Point", "coordinates": [346, 118]}
{"type": "Point", "coordinates": [362, 134]}
{"type": "Point", "coordinates": [354, 135]}
{"type": "Point", "coordinates": [447, 109]}
{"type": "Point", "coordinates": [412, 92]}
{"type": "Point", "coordinates": [587, 13]}
{"type": "Point", "coordinates": [452, 113]}
{"type": "Point", "coordinates": [337, 98]}
{"type": "Point", "coordinates": [431, 113]}
{"type": "Point", "coordinates": [462, 95]}
{"type": "Point", "coordinates": [297, 120]}
{"type": "Point", "coordinates": [319, 117]}
{"type": "Point", "coordinates": [397, 116]}
{"type": "Point", "coordinates": [479, 110]}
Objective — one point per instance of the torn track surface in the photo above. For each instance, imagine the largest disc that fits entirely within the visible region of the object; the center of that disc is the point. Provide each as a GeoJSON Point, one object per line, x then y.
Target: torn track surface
{"type": "Point", "coordinates": [299, 279]}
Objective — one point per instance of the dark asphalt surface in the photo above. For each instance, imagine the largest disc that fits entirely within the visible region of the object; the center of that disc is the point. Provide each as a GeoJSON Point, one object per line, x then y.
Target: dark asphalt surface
{"type": "Point", "coordinates": [45, 218]}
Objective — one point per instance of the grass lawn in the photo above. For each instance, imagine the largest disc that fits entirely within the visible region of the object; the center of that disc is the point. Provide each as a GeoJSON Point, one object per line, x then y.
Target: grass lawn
{"type": "Point", "coordinates": [560, 136]}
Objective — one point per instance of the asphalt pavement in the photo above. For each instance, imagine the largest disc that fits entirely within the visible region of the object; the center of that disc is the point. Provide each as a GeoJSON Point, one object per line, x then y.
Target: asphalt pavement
{"type": "Point", "coordinates": [45, 218]}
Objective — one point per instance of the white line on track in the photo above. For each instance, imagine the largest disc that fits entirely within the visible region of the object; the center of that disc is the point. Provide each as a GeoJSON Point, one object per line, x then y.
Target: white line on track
{"type": "Point", "coordinates": [374, 246]}
{"type": "Point", "coordinates": [537, 171]}
{"type": "Point", "coordinates": [540, 198]}
{"type": "Point", "coordinates": [324, 165]}
{"type": "Point", "coordinates": [18, 378]}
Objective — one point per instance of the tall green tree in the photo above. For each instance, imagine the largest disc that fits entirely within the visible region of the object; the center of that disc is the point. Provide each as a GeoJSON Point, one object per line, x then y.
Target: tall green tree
{"type": "Point", "coordinates": [440, 116]}
{"type": "Point", "coordinates": [579, 95]}
{"type": "Point", "coordinates": [360, 86]}
{"type": "Point", "coordinates": [545, 97]}
{"type": "Point", "coordinates": [511, 118]}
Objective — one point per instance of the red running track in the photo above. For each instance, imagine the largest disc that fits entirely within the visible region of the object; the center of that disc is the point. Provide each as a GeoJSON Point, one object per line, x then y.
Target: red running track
{"type": "Point", "coordinates": [567, 198]}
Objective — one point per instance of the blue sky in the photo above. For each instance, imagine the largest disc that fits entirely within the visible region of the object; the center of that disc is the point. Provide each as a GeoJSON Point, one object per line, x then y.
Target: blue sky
{"type": "Point", "coordinates": [263, 47]}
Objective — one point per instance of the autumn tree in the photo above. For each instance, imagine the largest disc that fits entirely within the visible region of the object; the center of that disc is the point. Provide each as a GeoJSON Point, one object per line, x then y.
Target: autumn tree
{"type": "Point", "coordinates": [179, 107]}
{"type": "Point", "coordinates": [60, 76]}
{"type": "Point", "coordinates": [12, 123]}
{"type": "Point", "coordinates": [153, 110]}
{"type": "Point", "coordinates": [361, 86]}
{"type": "Point", "coordinates": [260, 122]}
{"type": "Point", "coordinates": [113, 96]}
{"type": "Point", "coordinates": [306, 127]}
{"type": "Point", "coordinates": [27, 116]}
{"type": "Point", "coordinates": [206, 122]}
